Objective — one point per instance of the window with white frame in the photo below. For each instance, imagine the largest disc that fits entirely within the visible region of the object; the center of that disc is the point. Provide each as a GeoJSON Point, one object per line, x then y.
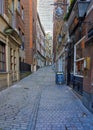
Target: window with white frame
{"type": "Point", "coordinates": [18, 6]}
{"type": "Point", "coordinates": [12, 7]}
{"type": "Point", "coordinates": [1, 6]}
{"type": "Point", "coordinates": [79, 58]}
{"type": "Point", "coordinates": [22, 13]}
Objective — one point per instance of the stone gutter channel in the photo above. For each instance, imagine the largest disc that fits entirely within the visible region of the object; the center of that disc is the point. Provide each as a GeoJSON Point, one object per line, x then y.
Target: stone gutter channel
{"type": "Point", "coordinates": [33, 118]}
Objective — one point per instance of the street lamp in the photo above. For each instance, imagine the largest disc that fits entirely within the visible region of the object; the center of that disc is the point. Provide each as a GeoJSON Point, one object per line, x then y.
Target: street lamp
{"type": "Point", "coordinates": [59, 11]}
{"type": "Point", "coordinates": [59, 3]}
{"type": "Point", "coordinates": [69, 40]}
{"type": "Point", "coordinates": [82, 8]}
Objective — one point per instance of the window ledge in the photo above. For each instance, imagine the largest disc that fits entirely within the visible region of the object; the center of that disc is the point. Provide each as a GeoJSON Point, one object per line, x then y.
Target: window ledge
{"type": "Point", "coordinates": [79, 76]}
{"type": "Point", "coordinates": [3, 72]}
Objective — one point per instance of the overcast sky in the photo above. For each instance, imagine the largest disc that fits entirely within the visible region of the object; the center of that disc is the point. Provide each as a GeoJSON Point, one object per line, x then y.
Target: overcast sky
{"type": "Point", "coordinates": [45, 10]}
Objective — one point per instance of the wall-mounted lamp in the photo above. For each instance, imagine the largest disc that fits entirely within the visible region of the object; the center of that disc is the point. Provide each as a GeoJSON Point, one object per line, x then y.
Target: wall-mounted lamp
{"type": "Point", "coordinates": [59, 3]}
{"type": "Point", "coordinates": [82, 7]}
{"type": "Point", "coordinates": [66, 49]}
{"type": "Point", "coordinates": [59, 11]}
{"type": "Point", "coordinates": [69, 40]}
{"type": "Point", "coordinates": [59, 38]}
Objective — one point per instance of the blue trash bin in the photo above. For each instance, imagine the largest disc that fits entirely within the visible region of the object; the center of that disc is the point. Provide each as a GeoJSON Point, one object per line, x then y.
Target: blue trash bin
{"type": "Point", "coordinates": [60, 78]}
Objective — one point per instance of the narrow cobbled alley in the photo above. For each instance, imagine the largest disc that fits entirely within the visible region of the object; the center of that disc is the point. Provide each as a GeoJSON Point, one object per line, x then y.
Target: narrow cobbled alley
{"type": "Point", "coordinates": [37, 103]}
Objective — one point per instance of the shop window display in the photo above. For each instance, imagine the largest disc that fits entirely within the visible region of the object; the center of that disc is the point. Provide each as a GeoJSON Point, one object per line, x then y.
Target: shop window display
{"type": "Point", "coordinates": [79, 60]}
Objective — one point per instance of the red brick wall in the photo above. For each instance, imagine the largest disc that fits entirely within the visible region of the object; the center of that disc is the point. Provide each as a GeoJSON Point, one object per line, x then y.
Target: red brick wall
{"type": "Point", "coordinates": [88, 80]}
{"type": "Point", "coordinates": [34, 18]}
{"type": "Point", "coordinates": [30, 14]}
{"type": "Point", "coordinates": [6, 7]}
{"type": "Point", "coordinates": [28, 31]}
{"type": "Point", "coordinates": [19, 22]}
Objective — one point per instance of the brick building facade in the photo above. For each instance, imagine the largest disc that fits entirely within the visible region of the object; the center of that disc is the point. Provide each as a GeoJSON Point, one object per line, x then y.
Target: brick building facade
{"type": "Point", "coordinates": [17, 39]}
{"type": "Point", "coordinates": [40, 55]}
{"type": "Point", "coordinates": [10, 43]}
{"type": "Point", "coordinates": [30, 14]}
{"type": "Point", "coordinates": [59, 35]}
{"type": "Point", "coordinates": [49, 49]}
{"type": "Point", "coordinates": [80, 54]}
{"type": "Point", "coordinates": [79, 48]}
{"type": "Point", "coordinates": [88, 54]}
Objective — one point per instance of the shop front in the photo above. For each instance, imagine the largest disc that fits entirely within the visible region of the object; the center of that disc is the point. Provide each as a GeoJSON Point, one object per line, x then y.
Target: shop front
{"type": "Point", "coordinates": [79, 66]}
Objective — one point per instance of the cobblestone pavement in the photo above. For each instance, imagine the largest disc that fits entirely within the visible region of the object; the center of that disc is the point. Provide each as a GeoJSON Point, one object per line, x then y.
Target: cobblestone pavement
{"type": "Point", "coordinates": [36, 103]}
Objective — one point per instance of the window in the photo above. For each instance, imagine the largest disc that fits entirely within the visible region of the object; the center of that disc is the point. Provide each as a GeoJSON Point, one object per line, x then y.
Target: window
{"type": "Point", "coordinates": [2, 57]}
{"type": "Point", "coordinates": [13, 23]}
{"type": "Point", "coordinates": [19, 31]}
{"type": "Point", "coordinates": [13, 7]}
{"type": "Point", "coordinates": [33, 20]}
{"type": "Point", "coordinates": [22, 13]}
{"type": "Point", "coordinates": [22, 46]}
{"type": "Point", "coordinates": [1, 6]}
{"type": "Point", "coordinates": [90, 33]}
{"type": "Point", "coordinates": [79, 58]}
{"type": "Point", "coordinates": [19, 5]}
{"type": "Point", "coordinates": [12, 59]}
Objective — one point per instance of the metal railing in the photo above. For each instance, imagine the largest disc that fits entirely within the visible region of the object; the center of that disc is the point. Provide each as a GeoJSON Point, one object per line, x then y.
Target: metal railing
{"type": "Point", "coordinates": [24, 67]}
